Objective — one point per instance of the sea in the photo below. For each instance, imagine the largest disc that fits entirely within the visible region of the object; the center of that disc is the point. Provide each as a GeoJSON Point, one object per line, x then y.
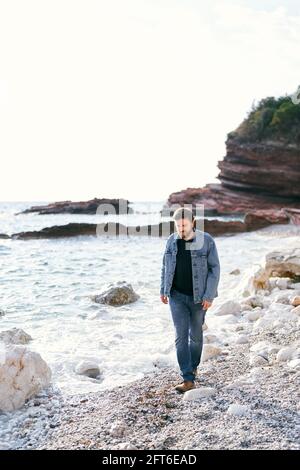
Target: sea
{"type": "Point", "coordinates": [46, 287]}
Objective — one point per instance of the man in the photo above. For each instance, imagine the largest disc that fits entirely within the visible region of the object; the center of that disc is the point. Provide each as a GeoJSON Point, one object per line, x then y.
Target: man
{"type": "Point", "coordinates": [189, 279]}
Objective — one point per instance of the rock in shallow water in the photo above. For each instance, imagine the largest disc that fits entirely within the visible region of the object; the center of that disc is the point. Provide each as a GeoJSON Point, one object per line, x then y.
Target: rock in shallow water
{"type": "Point", "coordinates": [88, 368]}
{"type": "Point", "coordinates": [117, 294]}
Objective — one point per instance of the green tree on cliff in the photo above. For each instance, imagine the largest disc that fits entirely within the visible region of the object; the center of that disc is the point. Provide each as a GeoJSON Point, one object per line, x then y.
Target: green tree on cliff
{"type": "Point", "coordinates": [271, 119]}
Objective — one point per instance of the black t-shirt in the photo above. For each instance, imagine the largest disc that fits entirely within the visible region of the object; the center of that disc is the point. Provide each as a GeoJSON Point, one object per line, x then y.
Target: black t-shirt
{"type": "Point", "coordinates": [183, 279]}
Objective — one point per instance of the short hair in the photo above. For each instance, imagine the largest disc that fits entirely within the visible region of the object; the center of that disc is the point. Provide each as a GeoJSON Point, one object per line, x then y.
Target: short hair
{"type": "Point", "coordinates": [184, 213]}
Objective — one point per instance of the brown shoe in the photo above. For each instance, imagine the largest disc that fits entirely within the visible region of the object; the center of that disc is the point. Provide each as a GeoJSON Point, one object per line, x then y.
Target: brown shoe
{"type": "Point", "coordinates": [185, 386]}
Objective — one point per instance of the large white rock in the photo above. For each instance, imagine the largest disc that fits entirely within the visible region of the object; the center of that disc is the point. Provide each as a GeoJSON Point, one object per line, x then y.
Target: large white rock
{"type": "Point", "coordinates": [280, 267]}
{"type": "Point", "coordinates": [209, 351]}
{"type": "Point", "coordinates": [230, 307]}
{"type": "Point", "coordinates": [199, 393]}
{"type": "Point", "coordinates": [23, 373]}
{"type": "Point", "coordinates": [15, 336]}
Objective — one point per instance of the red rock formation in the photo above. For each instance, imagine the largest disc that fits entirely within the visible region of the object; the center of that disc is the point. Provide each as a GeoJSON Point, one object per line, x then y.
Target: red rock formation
{"type": "Point", "coordinates": [262, 218]}
{"type": "Point", "coordinates": [219, 200]}
{"type": "Point", "coordinates": [254, 176]}
{"type": "Point", "coordinates": [270, 168]}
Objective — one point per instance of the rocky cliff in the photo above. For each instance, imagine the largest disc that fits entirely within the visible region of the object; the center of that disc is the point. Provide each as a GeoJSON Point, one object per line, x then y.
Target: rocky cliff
{"type": "Point", "coordinates": [268, 168]}
{"type": "Point", "coordinates": [261, 168]}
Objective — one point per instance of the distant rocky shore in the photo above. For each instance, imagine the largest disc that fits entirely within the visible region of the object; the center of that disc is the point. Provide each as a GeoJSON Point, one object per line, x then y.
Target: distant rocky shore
{"type": "Point", "coordinates": [120, 206]}
{"type": "Point", "coordinates": [253, 220]}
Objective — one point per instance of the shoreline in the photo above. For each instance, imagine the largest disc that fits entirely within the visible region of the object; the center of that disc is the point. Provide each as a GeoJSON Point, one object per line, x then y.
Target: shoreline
{"type": "Point", "coordinates": [150, 414]}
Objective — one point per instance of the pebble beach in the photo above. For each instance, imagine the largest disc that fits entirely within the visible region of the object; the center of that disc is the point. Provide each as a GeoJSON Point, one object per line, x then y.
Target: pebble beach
{"type": "Point", "coordinates": [246, 397]}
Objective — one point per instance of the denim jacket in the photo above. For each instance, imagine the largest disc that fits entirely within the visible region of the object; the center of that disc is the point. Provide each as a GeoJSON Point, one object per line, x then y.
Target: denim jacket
{"type": "Point", "coordinates": [205, 266]}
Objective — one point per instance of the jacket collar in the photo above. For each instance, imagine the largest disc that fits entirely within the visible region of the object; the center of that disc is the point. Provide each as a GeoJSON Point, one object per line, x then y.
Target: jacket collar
{"type": "Point", "coordinates": [198, 239]}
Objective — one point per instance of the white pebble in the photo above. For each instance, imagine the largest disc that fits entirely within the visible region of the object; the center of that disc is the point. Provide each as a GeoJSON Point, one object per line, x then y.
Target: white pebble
{"type": "Point", "coordinates": [199, 393]}
{"type": "Point", "coordinates": [238, 410]}
{"type": "Point", "coordinates": [285, 354]}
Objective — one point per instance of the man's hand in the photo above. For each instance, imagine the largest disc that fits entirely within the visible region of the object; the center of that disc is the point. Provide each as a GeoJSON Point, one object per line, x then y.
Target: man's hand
{"type": "Point", "coordinates": [206, 304]}
{"type": "Point", "coordinates": [164, 299]}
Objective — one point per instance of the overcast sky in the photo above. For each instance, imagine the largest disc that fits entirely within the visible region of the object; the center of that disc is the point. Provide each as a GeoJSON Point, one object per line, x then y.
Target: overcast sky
{"type": "Point", "coordinates": [133, 98]}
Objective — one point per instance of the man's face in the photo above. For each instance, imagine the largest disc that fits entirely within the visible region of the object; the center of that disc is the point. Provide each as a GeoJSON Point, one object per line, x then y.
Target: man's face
{"type": "Point", "coordinates": [184, 227]}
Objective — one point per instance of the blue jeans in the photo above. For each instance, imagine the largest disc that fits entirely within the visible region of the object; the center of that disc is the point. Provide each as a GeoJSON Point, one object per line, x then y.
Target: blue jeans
{"type": "Point", "coordinates": [188, 319]}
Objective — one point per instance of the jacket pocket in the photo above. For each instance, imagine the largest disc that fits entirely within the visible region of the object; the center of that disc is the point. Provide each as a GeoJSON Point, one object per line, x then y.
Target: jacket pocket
{"type": "Point", "coordinates": [201, 259]}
